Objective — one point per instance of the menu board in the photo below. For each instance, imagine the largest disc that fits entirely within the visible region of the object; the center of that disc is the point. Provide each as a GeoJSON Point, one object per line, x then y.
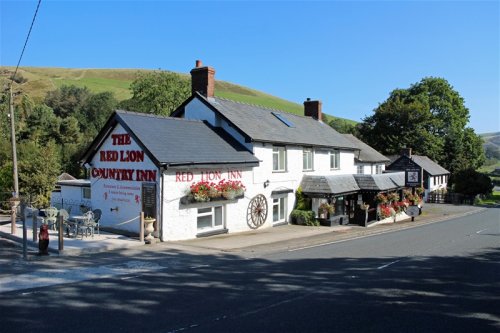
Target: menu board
{"type": "Point", "coordinates": [149, 200]}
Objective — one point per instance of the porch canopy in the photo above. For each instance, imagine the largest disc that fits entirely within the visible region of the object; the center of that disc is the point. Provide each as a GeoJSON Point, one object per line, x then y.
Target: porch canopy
{"type": "Point", "coordinates": [327, 186]}
{"type": "Point", "coordinates": [336, 185]}
{"type": "Point", "coordinates": [381, 182]}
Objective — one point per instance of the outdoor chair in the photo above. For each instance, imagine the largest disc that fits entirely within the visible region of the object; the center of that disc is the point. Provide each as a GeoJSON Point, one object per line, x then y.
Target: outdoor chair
{"type": "Point", "coordinates": [65, 216]}
{"type": "Point", "coordinates": [97, 218]}
{"type": "Point", "coordinates": [51, 217]}
{"type": "Point", "coordinates": [86, 225]}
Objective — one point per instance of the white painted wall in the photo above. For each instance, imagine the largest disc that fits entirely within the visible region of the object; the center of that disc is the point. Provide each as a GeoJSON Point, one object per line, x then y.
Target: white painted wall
{"type": "Point", "coordinates": [369, 168]}
{"type": "Point", "coordinates": [71, 195]}
{"type": "Point", "coordinates": [199, 111]}
{"type": "Point", "coordinates": [120, 200]}
{"type": "Point", "coordinates": [180, 221]}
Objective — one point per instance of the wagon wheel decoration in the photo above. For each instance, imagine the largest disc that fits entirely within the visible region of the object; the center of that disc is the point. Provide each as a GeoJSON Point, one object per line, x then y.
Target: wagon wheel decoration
{"type": "Point", "coordinates": [257, 211]}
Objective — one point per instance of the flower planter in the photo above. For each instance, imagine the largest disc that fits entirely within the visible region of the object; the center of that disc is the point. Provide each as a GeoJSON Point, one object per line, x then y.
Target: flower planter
{"type": "Point", "coordinates": [229, 195]}
{"type": "Point", "coordinates": [149, 229]}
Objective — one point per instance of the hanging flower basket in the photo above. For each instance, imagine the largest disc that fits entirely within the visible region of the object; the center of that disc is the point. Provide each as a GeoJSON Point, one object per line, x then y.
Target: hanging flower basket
{"type": "Point", "coordinates": [204, 191]}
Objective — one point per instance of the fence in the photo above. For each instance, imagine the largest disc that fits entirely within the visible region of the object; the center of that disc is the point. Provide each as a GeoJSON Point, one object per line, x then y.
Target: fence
{"type": "Point", "coordinates": [72, 206]}
{"type": "Point", "coordinates": [450, 198]}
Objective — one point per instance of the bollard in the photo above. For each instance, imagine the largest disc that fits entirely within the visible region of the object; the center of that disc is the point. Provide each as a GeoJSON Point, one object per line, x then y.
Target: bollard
{"type": "Point", "coordinates": [141, 229]}
{"type": "Point", "coordinates": [43, 240]}
{"type": "Point", "coordinates": [35, 226]}
{"type": "Point", "coordinates": [60, 219]}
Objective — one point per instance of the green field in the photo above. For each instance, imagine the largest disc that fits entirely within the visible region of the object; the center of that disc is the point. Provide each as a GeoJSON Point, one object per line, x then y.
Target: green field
{"type": "Point", "coordinates": [40, 80]}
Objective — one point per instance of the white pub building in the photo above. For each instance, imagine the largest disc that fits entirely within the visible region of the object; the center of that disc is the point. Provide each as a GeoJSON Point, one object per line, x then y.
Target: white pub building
{"type": "Point", "coordinates": [142, 162]}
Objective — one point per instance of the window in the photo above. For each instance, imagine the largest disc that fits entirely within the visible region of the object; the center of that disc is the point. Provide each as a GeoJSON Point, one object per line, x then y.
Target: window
{"type": "Point", "coordinates": [360, 170]}
{"type": "Point", "coordinates": [334, 159]}
{"type": "Point", "coordinates": [279, 159]}
{"type": "Point", "coordinates": [210, 218]}
{"type": "Point", "coordinates": [279, 209]}
{"type": "Point", "coordinates": [86, 192]}
{"type": "Point", "coordinates": [378, 169]}
{"type": "Point", "coordinates": [307, 159]}
{"type": "Point", "coordinates": [283, 119]}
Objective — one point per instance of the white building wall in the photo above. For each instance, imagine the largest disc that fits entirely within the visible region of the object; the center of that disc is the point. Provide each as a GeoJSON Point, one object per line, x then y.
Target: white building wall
{"type": "Point", "coordinates": [198, 111]}
{"type": "Point", "coordinates": [180, 220]}
{"type": "Point", "coordinates": [120, 200]}
{"type": "Point", "coordinates": [369, 168]}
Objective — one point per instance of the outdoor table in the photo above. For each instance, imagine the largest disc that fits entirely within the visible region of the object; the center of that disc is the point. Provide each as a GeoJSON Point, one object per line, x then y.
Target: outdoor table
{"type": "Point", "coordinates": [73, 223]}
{"type": "Point", "coordinates": [78, 221]}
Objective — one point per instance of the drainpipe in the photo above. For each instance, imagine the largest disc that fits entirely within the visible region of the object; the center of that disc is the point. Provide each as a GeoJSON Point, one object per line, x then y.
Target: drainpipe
{"type": "Point", "coordinates": [160, 225]}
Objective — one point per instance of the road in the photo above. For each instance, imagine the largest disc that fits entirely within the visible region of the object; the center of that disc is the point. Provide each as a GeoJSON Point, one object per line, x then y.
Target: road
{"type": "Point", "coordinates": [441, 277]}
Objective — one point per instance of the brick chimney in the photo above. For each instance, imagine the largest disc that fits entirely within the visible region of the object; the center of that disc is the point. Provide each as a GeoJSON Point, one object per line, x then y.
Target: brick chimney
{"type": "Point", "coordinates": [313, 109]}
{"type": "Point", "coordinates": [202, 80]}
{"type": "Point", "coordinates": [406, 152]}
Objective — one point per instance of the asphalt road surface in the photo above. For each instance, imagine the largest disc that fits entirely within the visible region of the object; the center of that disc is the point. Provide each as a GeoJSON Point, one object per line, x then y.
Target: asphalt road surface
{"type": "Point", "coordinates": [441, 277]}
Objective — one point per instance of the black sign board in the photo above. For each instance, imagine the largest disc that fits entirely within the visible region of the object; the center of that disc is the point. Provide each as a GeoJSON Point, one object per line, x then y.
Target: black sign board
{"type": "Point", "coordinates": [413, 177]}
{"type": "Point", "coordinates": [149, 200]}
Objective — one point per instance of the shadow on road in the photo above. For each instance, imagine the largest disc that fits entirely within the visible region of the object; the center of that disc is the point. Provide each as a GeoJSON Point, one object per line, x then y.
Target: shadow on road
{"type": "Point", "coordinates": [225, 293]}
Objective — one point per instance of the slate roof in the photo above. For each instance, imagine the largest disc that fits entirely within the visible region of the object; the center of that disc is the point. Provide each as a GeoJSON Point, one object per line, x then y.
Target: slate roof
{"type": "Point", "coordinates": [333, 184]}
{"type": "Point", "coordinates": [344, 184]}
{"type": "Point", "coordinates": [380, 182]}
{"type": "Point", "coordinates": [176, 141]}
{"type": "Point", "coordinates": [260, 124]}
{"type": "Point", "coordinates": [366, 153]}
{"type": "Point", "coordinates": [431, 167]}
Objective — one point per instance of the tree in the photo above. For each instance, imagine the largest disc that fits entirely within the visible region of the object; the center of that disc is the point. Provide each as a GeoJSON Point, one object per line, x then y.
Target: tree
{"type": "Point", "coordinates": [429, 117]}
{"type": "Point", "coordinates": [66, 100]}
{"type": "Point", "coordinates": [471, 182]}
{"type": "Point", "coordinates": [158, 92]}
{"type": "Point", "coordinates": [342, 126]}
{"type": "Point", "coordinates": [39, 167]}
{"type": "Point", "coordinates": [41, 125]}
{"type": "Point", "coordinates": [95, 111]}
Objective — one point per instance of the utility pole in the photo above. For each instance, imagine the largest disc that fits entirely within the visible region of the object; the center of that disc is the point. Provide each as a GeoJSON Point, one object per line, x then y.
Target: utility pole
{"type": "Point", "coordinates": [15, 196]}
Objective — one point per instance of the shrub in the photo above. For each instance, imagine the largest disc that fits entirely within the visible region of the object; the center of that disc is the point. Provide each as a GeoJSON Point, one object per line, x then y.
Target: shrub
{"type": "Point", "coordinates": [304, 217]}
{"type": "Point", "coordinates": [301, 202]}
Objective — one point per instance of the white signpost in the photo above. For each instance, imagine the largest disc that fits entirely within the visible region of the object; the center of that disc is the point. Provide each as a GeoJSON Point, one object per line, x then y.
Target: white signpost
{"type": "Point", "coordinates": [413, 211]}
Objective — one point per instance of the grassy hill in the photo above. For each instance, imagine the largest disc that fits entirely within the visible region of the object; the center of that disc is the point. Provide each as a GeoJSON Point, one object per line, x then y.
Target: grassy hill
{"type": "Point", "coordinates": [491, 146]}
{"type": "Point", "coordinates": [40, 80]}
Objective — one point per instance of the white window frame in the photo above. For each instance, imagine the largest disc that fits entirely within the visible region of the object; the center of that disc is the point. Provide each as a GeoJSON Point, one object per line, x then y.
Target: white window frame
{"type": "Point", "coordinates": [378, 169]}
{"type": "Point", "coordinates": [307, 159]}
{"type": "Point", "coordinates": [334, 159]}
{"type": "Point", "coordinates": [280, 153]}
{"type": "Point", "coordinates": [280, 202]}
{"type": "Point", "coordinates": [360, 169]}
{"type": "Point", "coordinates": [212, 214]}
{"type": "Point", "coordinates": [86, 193]}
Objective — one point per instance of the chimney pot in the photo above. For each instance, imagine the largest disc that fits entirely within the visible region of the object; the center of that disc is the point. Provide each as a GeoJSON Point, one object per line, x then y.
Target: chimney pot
{"type": "Point", "coordinates": [203, 80]}
{"type": "Point", "coordinates": [406, 152]}
{"type": "Point", "coordinates": [313, 109]}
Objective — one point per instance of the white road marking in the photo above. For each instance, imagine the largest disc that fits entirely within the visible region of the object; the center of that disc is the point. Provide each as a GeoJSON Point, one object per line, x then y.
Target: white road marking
{"type": "Point", "coordinates": [389, 264]}
{"type": "Point", "coordinates": [480, 231]}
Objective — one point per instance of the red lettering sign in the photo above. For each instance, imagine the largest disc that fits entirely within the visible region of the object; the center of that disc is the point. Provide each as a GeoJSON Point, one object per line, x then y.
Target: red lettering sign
{"type": "Point", "coordinates": [121, 139]}
{"type": "Point", "coordinates": [183, 177]}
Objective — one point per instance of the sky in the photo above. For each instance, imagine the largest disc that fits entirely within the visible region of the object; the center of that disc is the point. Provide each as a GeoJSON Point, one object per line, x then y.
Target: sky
{"type": "Point", "coordinates": [348, 54]}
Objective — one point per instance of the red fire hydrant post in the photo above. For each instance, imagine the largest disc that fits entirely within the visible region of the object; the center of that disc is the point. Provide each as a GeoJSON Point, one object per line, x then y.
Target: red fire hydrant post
{"type": "Point", "coordinates": [43, 240]}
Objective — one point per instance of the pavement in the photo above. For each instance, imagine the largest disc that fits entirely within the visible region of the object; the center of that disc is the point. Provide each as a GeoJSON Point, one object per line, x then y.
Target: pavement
{"type": "Point", "coordinates": [268, 239]}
